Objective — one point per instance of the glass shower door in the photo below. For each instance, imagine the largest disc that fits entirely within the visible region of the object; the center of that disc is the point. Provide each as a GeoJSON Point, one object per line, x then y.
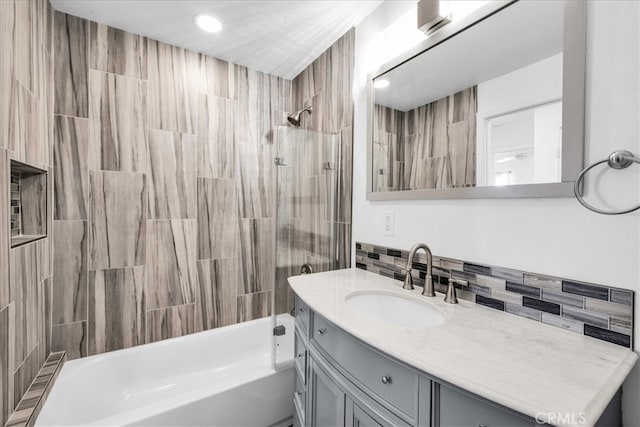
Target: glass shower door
{"type": "Point", "coordinates": [307, 167]}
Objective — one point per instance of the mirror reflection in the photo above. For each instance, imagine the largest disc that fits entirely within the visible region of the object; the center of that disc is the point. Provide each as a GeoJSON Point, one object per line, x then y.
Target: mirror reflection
{"type": "Point", "coordinates": [483, 108]}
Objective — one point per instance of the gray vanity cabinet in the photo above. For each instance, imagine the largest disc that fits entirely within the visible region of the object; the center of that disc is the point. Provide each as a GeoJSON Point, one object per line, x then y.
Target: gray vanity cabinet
{"type": "Point", "coordinates": [458, 409]}
{"type": "Point", "coordinates": [326, 406]}
{"type": "Point", "coordinates": [334, 401]}
{"type": "Point", "coordinates": [357, 417]}
{"type": "Point", "coordinates": [341, 381]}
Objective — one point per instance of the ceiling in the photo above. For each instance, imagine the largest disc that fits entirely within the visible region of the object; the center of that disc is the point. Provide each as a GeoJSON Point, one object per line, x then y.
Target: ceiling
{"type": "Point", "coordinates": [276, 37]}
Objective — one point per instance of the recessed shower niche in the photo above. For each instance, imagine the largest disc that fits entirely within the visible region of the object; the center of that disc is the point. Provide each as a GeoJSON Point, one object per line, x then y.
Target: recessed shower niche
{"type": "Point", "coordinates": [28, 206]}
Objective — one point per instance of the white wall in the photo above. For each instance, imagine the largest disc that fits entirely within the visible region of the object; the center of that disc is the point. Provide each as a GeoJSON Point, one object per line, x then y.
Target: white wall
{"type": "Point", "coordinates": [526, 87]}
{"type": "Point", "coordinates": [552, 236]}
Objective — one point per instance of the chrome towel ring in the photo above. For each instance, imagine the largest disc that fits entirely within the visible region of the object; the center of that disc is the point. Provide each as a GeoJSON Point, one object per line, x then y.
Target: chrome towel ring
{"type": "Point", "coordinates": [620, 159]}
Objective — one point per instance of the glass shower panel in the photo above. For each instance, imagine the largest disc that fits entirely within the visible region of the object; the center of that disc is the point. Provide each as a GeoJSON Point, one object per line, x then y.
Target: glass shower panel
{"type": "Point", "coordinates": [308, 163]}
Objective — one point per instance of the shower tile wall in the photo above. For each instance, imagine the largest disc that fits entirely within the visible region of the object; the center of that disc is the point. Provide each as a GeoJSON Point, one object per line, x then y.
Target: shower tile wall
{"type": "Point", "coordinates": [26, 104]}
{"type": "Point", "coordinates": [159, 160]}
{"type": "Point", "coordinates": [431, 146]}
{"type": "Point", "coordinates": [325, 85]}
{"type": "Point", "coordinates": [164, 166]}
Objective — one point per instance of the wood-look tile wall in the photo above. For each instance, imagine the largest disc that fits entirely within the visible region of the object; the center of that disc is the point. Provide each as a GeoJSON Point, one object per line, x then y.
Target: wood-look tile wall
{"type": "Point", "coordinates": [161, 166]}
{"type": "Point", "coordinates": [431, 146]}
{"type": "Point", "coordinates": [26, 127]}
{"type": "Point", "coordinates": [164, 170]}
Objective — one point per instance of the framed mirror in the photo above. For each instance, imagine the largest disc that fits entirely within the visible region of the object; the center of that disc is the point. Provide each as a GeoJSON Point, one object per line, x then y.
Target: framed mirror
{"type": "Point", "coordinates": [491, 106]}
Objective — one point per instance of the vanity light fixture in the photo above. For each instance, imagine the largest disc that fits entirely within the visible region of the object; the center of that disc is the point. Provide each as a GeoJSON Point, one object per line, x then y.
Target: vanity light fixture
{"type": "Point", "coordinates": [208, 23]}
{"type": "Point", "coordinates": [429, 18]}
{"type": "Point", "coordinates": [381, 83]}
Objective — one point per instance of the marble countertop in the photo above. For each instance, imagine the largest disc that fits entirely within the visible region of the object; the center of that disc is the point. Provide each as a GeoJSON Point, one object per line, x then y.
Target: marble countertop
{"type": "Point", "coordinates": [527, 366]}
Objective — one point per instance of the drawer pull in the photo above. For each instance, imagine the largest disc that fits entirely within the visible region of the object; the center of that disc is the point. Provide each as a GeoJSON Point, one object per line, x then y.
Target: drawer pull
{"type": "Point", "coordinates": [301, 310]}
{"type": "Point", "coordinates": [322, 331]}
{"type": "Point", "coordinates": [386, 379]}
{"type": "Point", "coordinates": [481, 425]}
{"type": "Point", "coordinates": [300, 354]}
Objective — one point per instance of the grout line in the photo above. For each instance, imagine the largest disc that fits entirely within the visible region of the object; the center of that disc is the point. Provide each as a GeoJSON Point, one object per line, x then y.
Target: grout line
{"type": "Point", "coordinates": [254, 293]}
{"type": "Point", "coordinates": [70, 117]}
{"type": "Point", "coordinates": [117, 268]}
{"type": "Point", "coordinates": [25, 359]}
{"type": "Point", "coordinates": [170, 307]}
{"type": "Point", "coordinates": [116, 75]}
{"type": "Point", "coordinates": [67, 323]}
{"type": "Point", "coordinates": [218, 259]}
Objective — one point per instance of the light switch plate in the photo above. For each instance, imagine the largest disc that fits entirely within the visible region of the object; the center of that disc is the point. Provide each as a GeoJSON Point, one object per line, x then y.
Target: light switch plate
{"type": "Point", "coordinates": [388, 220]}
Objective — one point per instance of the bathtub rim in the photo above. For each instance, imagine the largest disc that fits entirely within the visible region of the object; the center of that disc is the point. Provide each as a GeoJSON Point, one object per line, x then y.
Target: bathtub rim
{"type": "Point", "coordinates": [171, 402]}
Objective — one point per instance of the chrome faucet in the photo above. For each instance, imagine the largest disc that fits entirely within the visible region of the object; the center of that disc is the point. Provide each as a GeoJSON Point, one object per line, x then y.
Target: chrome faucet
{"type": "Point", "coordinates": [428, 281]}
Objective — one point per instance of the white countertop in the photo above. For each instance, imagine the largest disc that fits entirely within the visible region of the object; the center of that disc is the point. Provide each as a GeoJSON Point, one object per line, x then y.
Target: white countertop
{"type": "Point", "coordinates": [524, 365]}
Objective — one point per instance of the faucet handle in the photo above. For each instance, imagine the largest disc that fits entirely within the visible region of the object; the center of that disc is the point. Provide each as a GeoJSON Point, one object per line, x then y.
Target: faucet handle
{"type": "Point", "coordinates": [408, 280]}
{"type": "Point", "coordinates": [451, 297]}
{"type": "Point", "coordinates": [461, 282]}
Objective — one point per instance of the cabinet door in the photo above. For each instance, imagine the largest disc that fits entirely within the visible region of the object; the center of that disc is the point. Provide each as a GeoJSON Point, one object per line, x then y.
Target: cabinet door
{"type": "Point", "coordinates": [360, 415]}
{"type": "Point", "coordinates": [326, 399]}
{"type": "Point", "coordinates": [461, 410]}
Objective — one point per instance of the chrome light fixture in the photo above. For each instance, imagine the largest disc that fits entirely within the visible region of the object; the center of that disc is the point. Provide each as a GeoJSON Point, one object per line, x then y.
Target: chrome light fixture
{"type": "Point", "coordinates": [429, 18]}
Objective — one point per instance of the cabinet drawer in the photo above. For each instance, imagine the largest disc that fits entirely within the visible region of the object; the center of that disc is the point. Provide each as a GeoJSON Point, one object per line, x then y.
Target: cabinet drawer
{"type": "Point", "coordinates": [301, 358]}
{"type": "Point", "coordinates": [387, 379]}
{"type": "Point", "coordinates": [461, 410]}
{"type": "Point", "coordinates": [302, 315]}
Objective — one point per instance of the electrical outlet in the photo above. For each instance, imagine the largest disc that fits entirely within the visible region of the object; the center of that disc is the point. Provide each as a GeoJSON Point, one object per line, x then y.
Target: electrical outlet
{"type": "Point", "coordinates": [388, 220]}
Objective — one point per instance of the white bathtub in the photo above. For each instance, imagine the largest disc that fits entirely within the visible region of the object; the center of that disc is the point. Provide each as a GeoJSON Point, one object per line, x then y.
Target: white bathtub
{"type": "Point", "coordinates": [222, 377]}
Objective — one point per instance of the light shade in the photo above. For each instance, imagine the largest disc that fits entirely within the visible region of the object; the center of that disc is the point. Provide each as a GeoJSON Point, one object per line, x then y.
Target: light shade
{"type": "Point", "coordinates": [380, 83]}
{"type": "Point", "coordinates": [208, 23]}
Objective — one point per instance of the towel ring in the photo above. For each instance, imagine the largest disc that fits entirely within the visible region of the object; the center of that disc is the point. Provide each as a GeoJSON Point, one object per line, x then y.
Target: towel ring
{"type": "Point", "coordinates": [620, 159]}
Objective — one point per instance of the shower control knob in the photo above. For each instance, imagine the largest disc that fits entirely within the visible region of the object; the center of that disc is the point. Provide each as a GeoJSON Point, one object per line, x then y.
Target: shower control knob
{"type": "Point", "coordinates": [386, 379]}
{"type": "Point", "coordinates": [321, 331]}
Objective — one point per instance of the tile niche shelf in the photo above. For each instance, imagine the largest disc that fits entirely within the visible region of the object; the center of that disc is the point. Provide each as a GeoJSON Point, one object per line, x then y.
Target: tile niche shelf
{"type": "Point", "coordinates": [28, 206]}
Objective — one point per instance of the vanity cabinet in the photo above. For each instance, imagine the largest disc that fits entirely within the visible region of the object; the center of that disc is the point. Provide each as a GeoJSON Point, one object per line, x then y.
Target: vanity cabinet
{"type": "Point", "coordinates": [459, 409]}
{"type": "Point", "coordinates": [335, 401]}
{"type": "Point", "coordinates": [357, 417]}
{"type": "Point", "coordinates": [327, 400]}
{"type": "Point", "coordinates": [342, 381]}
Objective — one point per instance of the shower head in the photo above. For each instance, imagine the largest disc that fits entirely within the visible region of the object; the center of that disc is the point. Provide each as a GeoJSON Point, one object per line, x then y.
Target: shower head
{"type": "Point", "coordinates": [294, 119]}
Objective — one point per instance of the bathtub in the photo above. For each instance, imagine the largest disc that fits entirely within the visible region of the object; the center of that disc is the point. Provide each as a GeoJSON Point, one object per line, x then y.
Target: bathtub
{"type": "Point", "coordinates": [221, 377]}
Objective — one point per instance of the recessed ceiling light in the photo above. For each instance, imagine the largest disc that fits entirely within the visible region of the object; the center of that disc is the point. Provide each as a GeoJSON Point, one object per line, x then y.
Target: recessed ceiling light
{"type": "Point", "coordinates": [208, 23]}
{"type": "Point", "coordinates": [381, 84]}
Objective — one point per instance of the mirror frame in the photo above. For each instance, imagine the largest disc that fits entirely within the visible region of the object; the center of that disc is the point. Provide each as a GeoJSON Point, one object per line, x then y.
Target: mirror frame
{"type": "Point", "coordinates": [573, 111]}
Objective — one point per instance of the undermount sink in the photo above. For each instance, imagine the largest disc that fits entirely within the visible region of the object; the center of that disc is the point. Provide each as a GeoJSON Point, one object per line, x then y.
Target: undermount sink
{"type": "Point", "coordinates": [394, 309]}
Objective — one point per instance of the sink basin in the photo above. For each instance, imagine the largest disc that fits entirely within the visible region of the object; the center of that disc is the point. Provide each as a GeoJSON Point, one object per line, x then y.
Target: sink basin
{"type": "Point", "coordinates": [394, 309]}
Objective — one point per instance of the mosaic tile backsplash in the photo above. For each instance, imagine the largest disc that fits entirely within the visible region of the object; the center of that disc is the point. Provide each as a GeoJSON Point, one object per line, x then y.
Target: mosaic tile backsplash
{"type": "Point", "coordinates": [601, 312]}
{"type": "Point", "coordinates": [15, 204]}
